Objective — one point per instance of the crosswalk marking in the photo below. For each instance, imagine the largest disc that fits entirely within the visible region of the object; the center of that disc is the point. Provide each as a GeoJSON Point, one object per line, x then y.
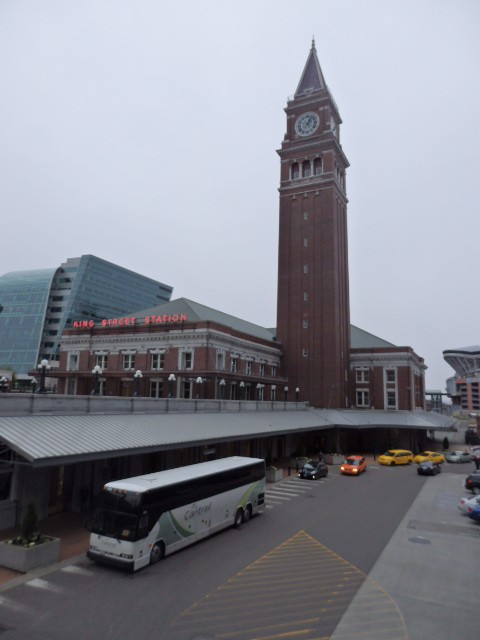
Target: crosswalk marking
{"type": "Point", "coordinates": [40, 583]}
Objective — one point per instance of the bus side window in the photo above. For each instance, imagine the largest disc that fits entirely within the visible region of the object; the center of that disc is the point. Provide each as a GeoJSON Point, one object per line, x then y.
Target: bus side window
{"type": "Point", "coordinates": [143, 525]}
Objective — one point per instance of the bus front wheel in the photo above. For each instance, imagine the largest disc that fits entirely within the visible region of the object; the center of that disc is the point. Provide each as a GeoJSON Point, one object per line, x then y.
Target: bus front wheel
{"type": "Point", "coordinates": [238, 518]}
{"type": "Point", "coordinates": [157, 552]}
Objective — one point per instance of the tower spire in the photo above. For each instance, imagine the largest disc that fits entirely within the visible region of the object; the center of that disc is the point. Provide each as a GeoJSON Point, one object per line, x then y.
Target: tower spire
{"type": "Point", "coordinates": [312, 77]}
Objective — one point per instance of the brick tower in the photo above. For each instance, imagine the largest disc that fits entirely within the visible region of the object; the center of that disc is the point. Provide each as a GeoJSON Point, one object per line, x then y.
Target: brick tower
{"type": "Point", "coordinates": [313, 319]}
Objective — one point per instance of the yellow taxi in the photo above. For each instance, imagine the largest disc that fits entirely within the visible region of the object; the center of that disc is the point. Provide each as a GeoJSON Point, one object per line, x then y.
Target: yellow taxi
{"type": "Point", "coordinates": [429, 456]}
{"type": "Point", "coordinates": [396, 456]}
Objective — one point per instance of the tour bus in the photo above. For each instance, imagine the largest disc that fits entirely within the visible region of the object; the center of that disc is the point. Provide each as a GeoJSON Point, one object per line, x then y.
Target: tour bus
{"type": "Point", "coordinates": [138, 521]}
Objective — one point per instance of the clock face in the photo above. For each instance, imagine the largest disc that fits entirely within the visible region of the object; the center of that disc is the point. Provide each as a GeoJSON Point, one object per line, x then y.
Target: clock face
{"type": "Point", "coordinates": [307, 123]}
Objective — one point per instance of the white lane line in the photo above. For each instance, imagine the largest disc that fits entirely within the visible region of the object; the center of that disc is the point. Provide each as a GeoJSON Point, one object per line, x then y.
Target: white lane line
{"type": "Point", "coordinates": [39, 583]}
{"type": "Point", "coordinates": [277, 497]}
{"type": "Point", "coordinates": [75, 569]}
{"type": "Point", "coordinates": [15, 606]}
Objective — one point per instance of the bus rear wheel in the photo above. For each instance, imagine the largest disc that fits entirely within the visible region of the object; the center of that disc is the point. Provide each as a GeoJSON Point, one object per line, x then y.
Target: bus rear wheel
{"type": "Point", "coordinates": [238, 518]}
{"type": "Point", "coordinates": [247, 514]}
{"type": "Point", "coordinates": [157, 552]}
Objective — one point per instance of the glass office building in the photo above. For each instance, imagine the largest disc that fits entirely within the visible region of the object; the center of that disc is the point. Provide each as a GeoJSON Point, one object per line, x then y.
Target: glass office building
{"type": "Point", "coordinates": [36, 306]}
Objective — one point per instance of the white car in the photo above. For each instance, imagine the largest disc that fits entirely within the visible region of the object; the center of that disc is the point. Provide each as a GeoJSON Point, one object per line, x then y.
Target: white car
{"type": "Point", "coordinates": [466, 503]}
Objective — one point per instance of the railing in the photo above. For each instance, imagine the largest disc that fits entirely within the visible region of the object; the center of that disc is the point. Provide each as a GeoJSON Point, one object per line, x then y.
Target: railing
{"type": "Point", "coordinates": [15, 404]}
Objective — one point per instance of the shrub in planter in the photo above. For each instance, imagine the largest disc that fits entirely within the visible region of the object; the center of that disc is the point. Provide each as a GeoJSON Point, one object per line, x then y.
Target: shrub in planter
{"type": "Point", "coordinates": [30, 549]}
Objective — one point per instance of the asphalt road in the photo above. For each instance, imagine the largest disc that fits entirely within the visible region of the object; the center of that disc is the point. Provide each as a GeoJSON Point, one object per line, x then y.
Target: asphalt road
{"type": "Point", "coordinates": [293, 572]}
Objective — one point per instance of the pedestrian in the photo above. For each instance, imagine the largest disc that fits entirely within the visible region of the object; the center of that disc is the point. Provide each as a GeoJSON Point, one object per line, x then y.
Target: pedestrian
{"type": "Point", "coordinates": [320, 456]}
{"type": "Point", "coordinates": [476, 459]}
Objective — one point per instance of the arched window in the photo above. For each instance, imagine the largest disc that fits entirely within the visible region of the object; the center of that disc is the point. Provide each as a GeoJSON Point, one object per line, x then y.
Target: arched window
{"type": "Point", "coordinates": [317, 166]}
{"type": "Point", "coordinates": [295, 171]}
{"type": "Point", "coordinates": [306, 169]}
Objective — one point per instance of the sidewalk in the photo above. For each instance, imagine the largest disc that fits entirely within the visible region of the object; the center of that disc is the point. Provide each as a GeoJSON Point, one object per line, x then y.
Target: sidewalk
{"type": "Point", "coordinates": [70, 527]}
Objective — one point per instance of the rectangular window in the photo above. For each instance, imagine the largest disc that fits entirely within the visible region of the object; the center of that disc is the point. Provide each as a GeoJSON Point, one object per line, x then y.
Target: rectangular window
{"type": "Point", "coordinates": [101, 360]}
{"type": "Point", "coordinates": [156, 389]}
{"type": "Point", "coordinates": [305, 242]}
{"type": "Point", "coordinates": [157, 363]}
{"type": "Point", "coordinates": [305, 296]}
{"type": "Point", "coordinates": [128, 361]}
{"type": "Point", "coordinates": [390, 375]}
{"type": "Point", "coordinates": [305, 353]}
{"type": "Point", "coordinates": [72, 362]}
{"type": "Point", "coordinates": [362, 375]}
{"type": "Point", "coordinates": [71, 387]}
{"type": "Point", "coordinates": [391, 400]}
{"type": "Point", "coordinates": [248, 367]}
{"type": "Point", "coordinates": [234, 364]}
{"type": "Point", "coordinates": [220, 360]}
{"type": "Point", "coordinates": [273, 371]}
{"type": "Point", "coordinates": [362, 398]}
{"type": "Point", "coordinates": [261, 370]}
{"type": "Point", "coordinates": [187, 361]}
{"type": "Point", "coordinates": [305, 268]}
{"type": "Point", "coordinates": [305, 215]}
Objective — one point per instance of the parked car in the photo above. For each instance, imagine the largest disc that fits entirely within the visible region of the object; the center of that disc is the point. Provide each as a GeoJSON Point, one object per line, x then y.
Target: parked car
{"type": "Point", "coordinates": [466, 503]}
{"type": "Point", "coordinates": [432, 456]}
{"type": "Point", "coordinates": [396, 456]}
{"type": "Point", "coordinates": [428, 468]}
{"type": "Point", "coordinates": [313, 471]}
{"type": "Point", "coordinates": [472, 483]}
{"type": "Point", "coordinates": [474, 513]}
{"type": "Point", "coordinates": [353, 466]}
{"type": "Point", "coordinates": [458, 456]}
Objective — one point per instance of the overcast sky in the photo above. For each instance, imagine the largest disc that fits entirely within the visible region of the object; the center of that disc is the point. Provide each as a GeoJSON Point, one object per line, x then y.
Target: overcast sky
{"type": "Point", "coordinates": [145, 133]}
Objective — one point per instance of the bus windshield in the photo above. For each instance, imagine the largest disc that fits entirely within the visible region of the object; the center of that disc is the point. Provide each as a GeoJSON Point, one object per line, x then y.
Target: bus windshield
{"type": "Point", "coordinates": [116, 515]}
{"type": "Point", "coordinates": [114, 524]}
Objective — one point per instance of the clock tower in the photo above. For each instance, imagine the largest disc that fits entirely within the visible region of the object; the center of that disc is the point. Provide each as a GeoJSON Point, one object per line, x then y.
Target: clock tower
{"type": "Point", "coordinates": [313, 319]}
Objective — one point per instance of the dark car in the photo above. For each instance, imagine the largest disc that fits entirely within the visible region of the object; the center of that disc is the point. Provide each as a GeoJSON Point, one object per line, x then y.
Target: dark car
{"type": "Point", "coordinates": [428, 468]}
{"type": "Point", "coordinates": [472, 483]}
{"type": "Point", "coordinates": [313, 471]}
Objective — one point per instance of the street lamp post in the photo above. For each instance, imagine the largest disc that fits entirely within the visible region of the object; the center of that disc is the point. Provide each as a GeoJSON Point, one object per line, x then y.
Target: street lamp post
{"type": "Point", "coordinates": [285, 393]}
{"type": "Point", "coordinates": [242, 390]}
{"type": "Point", "coordinates": [137, 376]}
{"type": "Point", "coordinates": [297, 394]}
{"type": "Point", "coordinates": [3, 383]}
{"type": "Point", "coordinates": [171, 382]}
{"type": "Point", "coordinates": [198, 382]}
{"type": "Point", "coordinates": [274, 391]}
{"type": "Point", "coordinates": [96, 373]}
{"type": "Point", "coordinates": [222, 388]}
{"type": "Point", "coordinates": [43, 367]}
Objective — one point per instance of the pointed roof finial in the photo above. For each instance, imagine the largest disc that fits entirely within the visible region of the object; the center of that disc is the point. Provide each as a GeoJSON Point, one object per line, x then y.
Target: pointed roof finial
{"type": "Point", "coordinates": [312, 77]}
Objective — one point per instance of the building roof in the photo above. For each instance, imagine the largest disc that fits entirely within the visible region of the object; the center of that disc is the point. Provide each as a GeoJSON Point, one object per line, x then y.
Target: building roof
{"type": "Point", "coordinates": [360, 339]}
{"type": "Point", "coordinates": [197, 312]}
{"type": "Point", "coordinates": [312, 77]}
{"type": "Point", "coordinates": [464, 360]}
{"type": "Point", "coordinates": [65, 439]}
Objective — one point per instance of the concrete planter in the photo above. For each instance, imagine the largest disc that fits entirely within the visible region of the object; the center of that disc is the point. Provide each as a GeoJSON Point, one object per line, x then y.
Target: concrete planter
{"type": "Point", "coordinates": [274, 475]}
{"type": "Point", "coordinates": [334, 458]}
{"type": "Point", "coordinates": [26, 559]}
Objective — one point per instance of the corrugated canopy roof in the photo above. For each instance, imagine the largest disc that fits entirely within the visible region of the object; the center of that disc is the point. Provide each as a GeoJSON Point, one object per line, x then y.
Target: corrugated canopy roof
{"type": "Point", "coordinates": [54, 440]}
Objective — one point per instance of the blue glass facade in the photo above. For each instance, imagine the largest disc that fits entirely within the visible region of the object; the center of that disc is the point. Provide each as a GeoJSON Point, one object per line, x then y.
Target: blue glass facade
{"type": "Point", "coordinates": [24, 296]}
{"type": "Point", "coordinates": [39, 305]}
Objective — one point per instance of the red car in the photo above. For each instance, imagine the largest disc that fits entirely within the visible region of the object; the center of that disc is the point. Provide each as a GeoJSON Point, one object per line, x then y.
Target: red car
{"type": "Point", "coordinates": [353, 465]}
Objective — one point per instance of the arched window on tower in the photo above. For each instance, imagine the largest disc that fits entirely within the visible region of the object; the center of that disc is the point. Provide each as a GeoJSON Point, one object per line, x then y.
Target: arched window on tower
{"type": "Point", "coordinates": [306, 169]}
{"type": "Point", "coordinates": [317, 166]}
{"type": "Point", "coordinates": [295, 171]}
